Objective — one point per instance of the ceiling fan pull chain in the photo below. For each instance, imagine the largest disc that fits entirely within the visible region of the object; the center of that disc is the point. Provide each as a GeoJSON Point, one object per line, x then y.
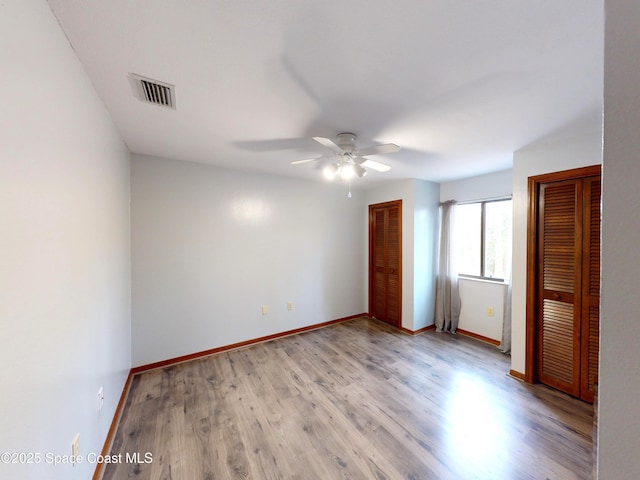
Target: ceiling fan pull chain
{"type": "Point", "coordinates": [349, 195]}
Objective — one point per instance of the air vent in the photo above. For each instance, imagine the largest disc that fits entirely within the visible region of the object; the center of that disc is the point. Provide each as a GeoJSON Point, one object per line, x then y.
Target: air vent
{"type": "Point", "coordinates": [153, 91]}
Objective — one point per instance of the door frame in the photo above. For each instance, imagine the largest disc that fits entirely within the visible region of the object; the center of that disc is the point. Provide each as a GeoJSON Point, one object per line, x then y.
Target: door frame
{"type": "Point", "coordinates": [532, 327]}
{"type": "Point", "coordinates": [372, 207]}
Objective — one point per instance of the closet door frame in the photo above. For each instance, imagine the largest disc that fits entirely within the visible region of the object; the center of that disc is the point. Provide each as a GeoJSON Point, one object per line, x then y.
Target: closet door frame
{"type": "Point", "coordinates": [531, 353]}
{"type": "Point", "coordinates": [372, 208]}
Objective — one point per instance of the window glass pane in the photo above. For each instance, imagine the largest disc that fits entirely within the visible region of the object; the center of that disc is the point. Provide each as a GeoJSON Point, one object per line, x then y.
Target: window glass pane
{"type": "Point", "coordinates": [468, 238]}
{"type": "Point", "coordinates": [496, 249]}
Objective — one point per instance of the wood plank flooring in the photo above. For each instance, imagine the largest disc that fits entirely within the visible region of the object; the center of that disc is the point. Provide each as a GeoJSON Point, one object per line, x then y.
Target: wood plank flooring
{"type": "Point", "coordinates": [356, 400]}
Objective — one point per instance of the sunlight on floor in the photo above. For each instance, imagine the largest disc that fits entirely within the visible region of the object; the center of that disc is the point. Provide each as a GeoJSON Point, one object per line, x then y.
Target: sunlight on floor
{"type": "Point", "coordinates": [477, 423]}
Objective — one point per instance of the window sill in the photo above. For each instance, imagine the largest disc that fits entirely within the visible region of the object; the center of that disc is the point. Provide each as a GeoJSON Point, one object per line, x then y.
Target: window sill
{"type": "Point", "coordinates": [482, 280]}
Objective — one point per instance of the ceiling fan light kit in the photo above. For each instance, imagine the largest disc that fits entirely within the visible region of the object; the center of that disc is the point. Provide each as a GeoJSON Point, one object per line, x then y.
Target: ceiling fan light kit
{"type": "Point", "coordinates": [347, 161]}
{"type": "Point", "coordinates": [343, 171]}
{"type": "Point", "coordinates": [330, 171]}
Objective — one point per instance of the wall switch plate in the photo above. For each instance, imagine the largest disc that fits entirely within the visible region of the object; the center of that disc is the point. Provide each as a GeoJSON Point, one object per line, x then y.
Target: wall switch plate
{"type": "Point", "coordinates": [100, 398]}
{"type": "Point", "coordinates": [265, 309]}
{"type": "Point", "coordinates": [290, 306]}
{"type": "Point", "coordinates": [489, 311]}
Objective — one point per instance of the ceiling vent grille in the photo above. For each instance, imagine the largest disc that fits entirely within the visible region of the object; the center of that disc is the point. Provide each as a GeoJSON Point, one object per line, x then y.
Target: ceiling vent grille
{"type": "Point", "coordinates": [155, 92]}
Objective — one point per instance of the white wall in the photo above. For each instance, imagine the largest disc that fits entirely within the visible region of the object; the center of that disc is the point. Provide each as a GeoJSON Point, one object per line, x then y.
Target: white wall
{"type": "Point", "coordinates": [619, 410]}
{"type": "Point", "coordinates": [477, 295]}
{"type": "Point", "coordinates": [399, 190]}
{"type": "Point", "coordinates": [64, 249]}
{"type": "Point", "coordinates": [560, 153]}
{"type": "Point", "coordinates": [425, 220]}
{"type": "Point", "coordinates": [419, 236]}
{"type": "Point", "coordinates": [212, 246]}
{"type": "Point", "coordinates": [481, 187]}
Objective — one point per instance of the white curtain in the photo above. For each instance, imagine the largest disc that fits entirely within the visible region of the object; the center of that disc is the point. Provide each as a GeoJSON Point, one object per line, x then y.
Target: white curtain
{"type": "Point", "coordinates": [447, 294]}
{"type": "Point", "coordinates": [505, 344]}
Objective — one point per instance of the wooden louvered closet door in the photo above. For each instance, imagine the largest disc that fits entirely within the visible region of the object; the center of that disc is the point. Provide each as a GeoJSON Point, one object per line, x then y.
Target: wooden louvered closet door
{"type": "Point", "coordinates": [385, 261]}
{"type": "Point", "coordinates": [590, 326]}
{"type": "Point", "coordinates": [568, 284]}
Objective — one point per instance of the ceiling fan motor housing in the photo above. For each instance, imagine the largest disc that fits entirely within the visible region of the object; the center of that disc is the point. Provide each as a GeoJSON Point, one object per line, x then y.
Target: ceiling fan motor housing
{"type": "Point", "coordinates": [347, 141]}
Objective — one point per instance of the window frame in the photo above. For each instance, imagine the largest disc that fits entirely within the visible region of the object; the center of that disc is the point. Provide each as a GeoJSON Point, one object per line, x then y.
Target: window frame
{"type": "Point", "coordinates": [483, 233]}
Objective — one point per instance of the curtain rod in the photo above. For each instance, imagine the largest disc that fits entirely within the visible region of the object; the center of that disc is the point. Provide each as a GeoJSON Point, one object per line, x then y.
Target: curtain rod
{"type": "Point", "coordinates": [490, 199]}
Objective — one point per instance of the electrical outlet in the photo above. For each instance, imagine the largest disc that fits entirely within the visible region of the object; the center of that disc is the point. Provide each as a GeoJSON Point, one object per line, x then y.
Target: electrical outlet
{"type": "Point", "coordinates": [265, 309]}
{"type": "Point", "coordinates": [489, 311]}
{"type": "Point", "coordinates": [290, 306]}
{"type": "Point", "coordinates": [75, 449]}
{"type": "Point", "coordinates": [100, 398]}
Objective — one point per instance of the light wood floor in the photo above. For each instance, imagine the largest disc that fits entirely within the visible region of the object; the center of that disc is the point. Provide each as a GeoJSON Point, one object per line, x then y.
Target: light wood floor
{"type": "Point", "coordinates": [356, 400]}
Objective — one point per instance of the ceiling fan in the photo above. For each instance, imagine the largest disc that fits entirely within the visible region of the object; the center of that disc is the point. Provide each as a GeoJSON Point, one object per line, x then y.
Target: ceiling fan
{"type": "Point", "coordinates": [347, 161]}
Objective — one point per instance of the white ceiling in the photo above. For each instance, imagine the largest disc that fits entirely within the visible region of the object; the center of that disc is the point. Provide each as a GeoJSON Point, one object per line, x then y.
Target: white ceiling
{"type": "Point", "coordinates": [458, 84]}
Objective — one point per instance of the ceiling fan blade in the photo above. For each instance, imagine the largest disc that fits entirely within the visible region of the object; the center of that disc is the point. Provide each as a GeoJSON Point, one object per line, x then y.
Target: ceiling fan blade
{"type": "Point", "coordinates": [323, 162]}
{"type": "Point", "coordinates": [380, 149]}
{"type": "Point", "coordinates": [329, 144]}
{"type": "Point", "coordinates": [379, 167]}
{"type": "Point", "coordinates": [307, 160]}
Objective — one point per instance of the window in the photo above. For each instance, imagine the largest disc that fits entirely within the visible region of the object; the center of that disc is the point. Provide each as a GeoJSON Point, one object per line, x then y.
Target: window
{"type": "Point", "coordinates": [483, 230]}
